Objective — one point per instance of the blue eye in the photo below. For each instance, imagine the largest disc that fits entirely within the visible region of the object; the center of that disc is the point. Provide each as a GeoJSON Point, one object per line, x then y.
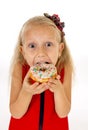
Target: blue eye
{"type": "Point", "coordinates": [31, 45]}
{"type": "Point", "coordinates": [49, 44]}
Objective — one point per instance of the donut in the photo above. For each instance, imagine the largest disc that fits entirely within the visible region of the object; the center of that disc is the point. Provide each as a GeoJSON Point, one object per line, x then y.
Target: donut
{"type": "Point", "coordinates": [42, 72]}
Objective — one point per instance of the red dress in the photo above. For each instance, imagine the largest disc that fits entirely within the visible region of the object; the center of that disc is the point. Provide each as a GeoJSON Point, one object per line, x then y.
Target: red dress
{"type": "Point", "coordinates": [30, 121]}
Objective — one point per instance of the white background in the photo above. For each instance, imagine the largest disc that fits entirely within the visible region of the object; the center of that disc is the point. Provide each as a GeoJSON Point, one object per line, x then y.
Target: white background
{"type": "Point", "coordinates": [74, 13]}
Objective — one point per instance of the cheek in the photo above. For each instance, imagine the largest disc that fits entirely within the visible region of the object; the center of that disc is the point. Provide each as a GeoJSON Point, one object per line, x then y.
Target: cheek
{"type": "Point", "coordinates": [29, 61]}
{"type": "Point", "coordinates": [28, 58]}
{"type": "Point", "coordinates": [54, 56]}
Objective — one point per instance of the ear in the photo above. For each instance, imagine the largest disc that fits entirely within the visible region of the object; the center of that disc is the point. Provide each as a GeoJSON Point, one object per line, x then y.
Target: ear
{"type": "Point", "coordinates": [61, 47]}
{"type": "Point", "coordinates": [21, 50]}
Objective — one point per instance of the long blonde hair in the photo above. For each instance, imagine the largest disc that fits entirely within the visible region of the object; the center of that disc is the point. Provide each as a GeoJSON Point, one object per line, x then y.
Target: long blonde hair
{"type": "Point", "coordinates": [40, 20]}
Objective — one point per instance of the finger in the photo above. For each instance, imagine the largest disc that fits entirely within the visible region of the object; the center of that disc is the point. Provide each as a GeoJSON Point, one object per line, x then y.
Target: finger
{"type": "Point", "coordinates": [27, 76]}
{"type": "Point", "coordinates": [51, 89]}
{"type": "Point", "coordinates": [35, 85]}
{"type": "Point", "coordinates": [41, 85]}
{"type": "Point", "coordinates": [58, 77]}
{"type": "Point", "coordinates": [52, 81]}
{"type": "Point", "coordinates": [41, 88]}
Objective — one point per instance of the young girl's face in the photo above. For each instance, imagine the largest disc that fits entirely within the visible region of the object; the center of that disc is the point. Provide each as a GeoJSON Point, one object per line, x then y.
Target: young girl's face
{"type": "Point", "coordinates": [41, 45]}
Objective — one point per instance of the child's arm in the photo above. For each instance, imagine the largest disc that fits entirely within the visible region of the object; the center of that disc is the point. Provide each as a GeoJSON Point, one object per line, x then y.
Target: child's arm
{"type": "Point", "coordinates": [21, 94]}
{"type": "Point", "coordinates": [62, 93]}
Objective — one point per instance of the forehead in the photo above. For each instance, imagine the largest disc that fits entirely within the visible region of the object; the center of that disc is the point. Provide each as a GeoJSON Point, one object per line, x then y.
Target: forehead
{"type": "Point", "coordinates": [42, 30]}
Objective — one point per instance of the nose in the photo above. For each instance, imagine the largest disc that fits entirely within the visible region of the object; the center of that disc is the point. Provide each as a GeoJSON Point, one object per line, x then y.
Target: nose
{"type": "Point", "coordinates": [40, 54]}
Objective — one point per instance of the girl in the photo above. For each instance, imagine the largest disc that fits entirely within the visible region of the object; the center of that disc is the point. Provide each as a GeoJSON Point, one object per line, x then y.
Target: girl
{"type": "Point", "coordinates": [44, 106]}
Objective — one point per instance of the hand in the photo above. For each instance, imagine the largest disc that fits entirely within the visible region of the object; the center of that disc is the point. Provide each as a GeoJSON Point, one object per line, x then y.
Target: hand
{"type": "Point", "coordinates": [54, 84]}
{"type": "Point", "coordinates": [35, 88]}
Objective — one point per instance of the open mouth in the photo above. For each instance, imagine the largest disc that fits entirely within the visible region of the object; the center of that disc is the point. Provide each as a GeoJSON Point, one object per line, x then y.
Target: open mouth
{"type": "Point", "coordinates": [46, 62]}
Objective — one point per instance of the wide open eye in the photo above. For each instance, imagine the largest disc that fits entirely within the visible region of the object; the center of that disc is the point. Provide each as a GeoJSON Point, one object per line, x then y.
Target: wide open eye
{"type": "Point", "coordinates": [31, 45]}
{"type": "Point", "coordinates": [49, 44]}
